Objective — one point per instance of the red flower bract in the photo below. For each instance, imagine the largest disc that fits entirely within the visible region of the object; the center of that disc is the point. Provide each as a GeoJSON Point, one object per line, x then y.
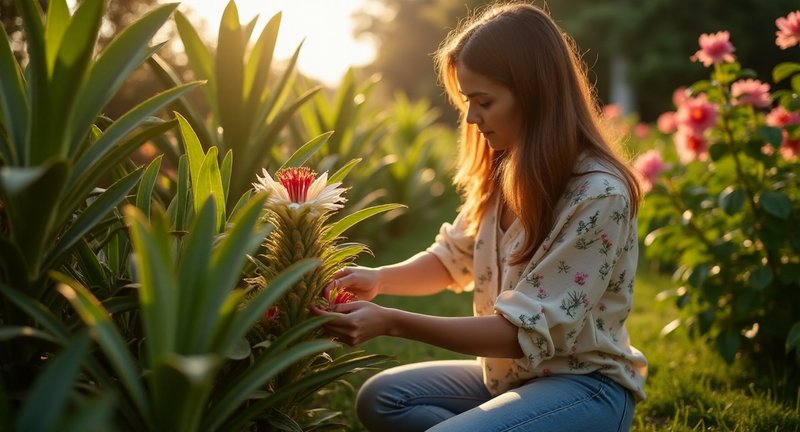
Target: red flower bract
{"type": "Point", "coordinates": [296, 181]}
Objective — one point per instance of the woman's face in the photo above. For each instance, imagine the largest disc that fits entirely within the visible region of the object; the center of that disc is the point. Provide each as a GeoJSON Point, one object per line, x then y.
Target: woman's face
{"type": "Point", "coordinates": [491, 107]}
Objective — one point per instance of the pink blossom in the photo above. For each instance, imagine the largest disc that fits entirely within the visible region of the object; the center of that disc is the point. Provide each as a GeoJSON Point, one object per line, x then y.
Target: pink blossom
{"type": "Point", "coordinates": [606, 241]}
{"type": "Point", "coordinates": [667, 123]}
{"type": "Point", "coordinates": [750, 92]}
{"type": "Point", "coordinates": [612, 111]}
{"type": "Point", "coordinates": [650, 165]}
{"type": "Point", "coordinates": [580, 278]}
{"type": "Point", "coordinates": [641, 130]}
{"type": "Point", "coordinates": [679, 95]}
{"type": "Point", "coordinates": [697, 114]}
{"type": "Point", "coordinates": [715, 48]}
{"type": "Point", "coordinates": [788, 34]}
{"type": "Point", "coordinates": [542, 293]}
{"type": "Point", "coordinates": [790, 148]}
{"type": "Point", "coordinates": [547, 372]}
{"type": "Point", "coordinates": [690, 145]}
{"type": "Point", "coordinates": [779, 117]}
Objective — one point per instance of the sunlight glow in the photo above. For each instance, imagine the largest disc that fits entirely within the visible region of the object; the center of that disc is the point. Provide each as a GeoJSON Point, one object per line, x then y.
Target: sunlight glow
{"type": "Point", "coordinates": [323, 26]}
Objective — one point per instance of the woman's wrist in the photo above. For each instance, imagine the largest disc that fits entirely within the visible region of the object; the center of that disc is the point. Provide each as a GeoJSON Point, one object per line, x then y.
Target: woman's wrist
{"type": "Point", "coordinates": [379, 276]}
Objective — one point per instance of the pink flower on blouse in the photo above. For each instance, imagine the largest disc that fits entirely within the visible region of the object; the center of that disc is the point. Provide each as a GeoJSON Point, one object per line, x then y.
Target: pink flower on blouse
{"type": "Point", "coordinates": [697, 114]}
{"type": "Point", "coordinates": [750, 92]}
{"type": "Point", "coordinates": [715, 48]}
{"type": "Point", "coordinates": [542, 293]}
{"type": "Point", "coordinates": [690, 145]}
{"type": "Point", "coordinates": [606, 242]}
{"type": "Point", "coordinates": [788, 34]}
{"type": "Point", "coordinates": [547, 372]}
{"type": "Point", "coordinates": [580, 278]}
{"type": "Point", "coordinates": [667, 123]}
{"type": "Point", "coordinates": [649, 165]}
{"type": "Point", "coordinates": [779, 117]}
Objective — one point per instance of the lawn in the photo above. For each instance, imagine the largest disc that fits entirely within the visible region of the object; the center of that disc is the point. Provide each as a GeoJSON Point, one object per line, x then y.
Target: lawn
{"type": "Point", "coordinates": [689, 387]}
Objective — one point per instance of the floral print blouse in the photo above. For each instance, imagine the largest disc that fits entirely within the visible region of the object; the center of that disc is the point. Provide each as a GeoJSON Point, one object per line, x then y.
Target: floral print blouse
{"type": "Point", "coordinates": [572, 299]}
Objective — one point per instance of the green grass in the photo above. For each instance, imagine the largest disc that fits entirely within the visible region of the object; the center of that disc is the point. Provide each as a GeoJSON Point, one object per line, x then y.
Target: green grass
{"type": "Point", "coordinates": [689, 387]}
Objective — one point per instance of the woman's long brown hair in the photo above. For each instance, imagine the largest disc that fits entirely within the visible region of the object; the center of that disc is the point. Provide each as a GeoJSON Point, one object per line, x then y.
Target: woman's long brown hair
{"type": "Point", "coordinates": [519, 46]}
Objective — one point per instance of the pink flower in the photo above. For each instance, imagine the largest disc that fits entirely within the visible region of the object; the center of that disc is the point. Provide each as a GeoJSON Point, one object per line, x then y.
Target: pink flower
{"type": "Point", "coordinates": [580, 278]}
{"type": "Point", "coordinates": [750, 92]}
{"type": "Point", "coordinates": [715, 48]}
{"type": "Point", "coordinates": [779, 117]}
{"type": "Point", "coordinates": [547, 372]}
{"type": "Point", "coordinates": [679, 95]}
{"type": "Point", "coordinates": [690, 145]}
{"type": "Point", "coordinates": [790, 148]}
{"type": "Point", "coordinates": [788, 34]}
{"type": "Point", "coordinates": [641, 130]}
{"type": "Point", "coordinates": [612, 111]}
{"type": "Point", "coordinates": [697, 114]}
{"type": "Point", "coordinates": [650, 165]}
{"type": "Point", "coordinates": [542, 293]}
{"type": "Point", "coordinates": [667, 123]}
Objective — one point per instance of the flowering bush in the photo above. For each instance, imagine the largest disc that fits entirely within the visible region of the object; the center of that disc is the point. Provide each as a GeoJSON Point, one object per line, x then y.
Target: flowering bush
{"type": "Point", "coordinates": [723, 203]}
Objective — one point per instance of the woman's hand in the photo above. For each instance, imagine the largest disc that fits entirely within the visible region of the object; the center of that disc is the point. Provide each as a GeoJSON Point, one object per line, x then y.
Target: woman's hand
{"type": "Point", "coordinates": [362, 282]}
{"type": "Point", "coordinates": [356, 322]}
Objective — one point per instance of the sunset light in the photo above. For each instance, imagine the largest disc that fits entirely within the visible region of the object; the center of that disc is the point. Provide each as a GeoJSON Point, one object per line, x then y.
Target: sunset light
{"type": "Point", "coordinates": [324, 27]}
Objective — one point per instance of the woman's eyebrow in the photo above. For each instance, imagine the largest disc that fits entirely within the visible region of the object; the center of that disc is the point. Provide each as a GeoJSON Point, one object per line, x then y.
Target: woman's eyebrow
{"type": "Point", "coordinates": [473, 94]}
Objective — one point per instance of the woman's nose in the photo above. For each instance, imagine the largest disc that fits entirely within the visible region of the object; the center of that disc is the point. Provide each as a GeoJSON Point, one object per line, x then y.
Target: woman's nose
{"type": "Point", "coordinates": [472, 117]}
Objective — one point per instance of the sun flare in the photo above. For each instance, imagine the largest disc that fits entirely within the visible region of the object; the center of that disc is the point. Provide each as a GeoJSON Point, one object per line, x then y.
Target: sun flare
{"type": "Point", "coordinates": [324, 28]}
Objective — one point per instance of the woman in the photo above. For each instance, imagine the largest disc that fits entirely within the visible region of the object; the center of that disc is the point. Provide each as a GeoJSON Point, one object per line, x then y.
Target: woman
{"type": "Point", "coordinates": [546, 239]}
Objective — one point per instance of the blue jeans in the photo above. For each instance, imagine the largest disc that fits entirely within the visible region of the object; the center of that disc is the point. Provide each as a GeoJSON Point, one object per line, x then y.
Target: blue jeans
{"type": "Point", "coordinates": [450, 396]}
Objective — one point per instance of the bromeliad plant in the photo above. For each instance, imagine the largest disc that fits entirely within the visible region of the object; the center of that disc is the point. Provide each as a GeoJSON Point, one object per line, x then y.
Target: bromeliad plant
{"type": "Point", "coordinates": [724, 203]}
{"type": "Point", "coordinates": [300, 207]}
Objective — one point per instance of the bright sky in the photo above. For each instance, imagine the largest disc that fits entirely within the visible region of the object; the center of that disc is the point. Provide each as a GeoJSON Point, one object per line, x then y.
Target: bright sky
{"type": "Point", "coordinates": [329, 47]}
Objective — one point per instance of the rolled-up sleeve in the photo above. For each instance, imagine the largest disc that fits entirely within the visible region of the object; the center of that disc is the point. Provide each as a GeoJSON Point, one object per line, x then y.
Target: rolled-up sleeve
{"type": "Point", "coordinates": [455, 249]}
{"type": "Point", "coordinates": [552, 303]}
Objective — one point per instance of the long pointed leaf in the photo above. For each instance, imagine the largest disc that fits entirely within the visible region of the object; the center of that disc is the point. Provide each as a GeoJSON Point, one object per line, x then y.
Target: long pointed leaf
{"type": "Point", "coordinates": [194, 151]}
{"type": "Point", "coordinates": [118, 60]}
{"type": "Point", "coordinates": [157, 292]}
{"type": "Point", "coordinates": [70, 68]}
{"type": "Point", "coordinates": [50, 394]}
{"type": "Point", "coordinates": [58, 19]}
{"type": "Point", "coordinates": [225, 173]}
{"type": "Point", "coordinates": [210, 185]}
{"type": "Point", "coordinates": [229, 257]}
{"type": "Point", "coordinates": [194, 292]}
{"type": "Point", "coordinates": [306, 151]}
{"type": "Point", "coordinates": [339, 175]}
{"type": "Point", "coordinates": [95, 212]}
{"type": "Point", "coordinates": [36, 72]}
{"type": "Point", "coordinates": [346, 222]}
{"type": "Point", "coordinates": [199, 58]}
{"type": "Point", "coordinates": [108, 338]}
{"type": "Point", "coordinates": [257, 375]}
{"type": "Point", "coordinates": [263, 300]}
{"type": "Point", "coordinates": [258, 65]}
{"type": "Point", "coordinates": [13, 107]}
{"type": "Point", "coordinates": [85, 182]}
{"type": "Point", "coordinates": [126, 124]}
{"type": "Point", "coordinates": [229, 69]}
{"type": "Point", "coordinates": [38, 312]}
{"type": "Point", "coordinates": [169, 78]}
{"type": "Point", "coordinates": [145, 193]}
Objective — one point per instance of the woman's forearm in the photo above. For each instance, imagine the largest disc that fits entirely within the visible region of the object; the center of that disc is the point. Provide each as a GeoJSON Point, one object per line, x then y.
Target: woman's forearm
{"type": "Point", "coordinates": [485, 336]}
{"type": "Point", "coordinates": [421, 274]}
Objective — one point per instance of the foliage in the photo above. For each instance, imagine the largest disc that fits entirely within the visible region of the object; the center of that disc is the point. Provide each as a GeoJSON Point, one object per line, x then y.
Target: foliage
{"type": "Point", "coordinates": [247, 108]}
{"type": "Point", "coordinates": [122, 304]}
{"type": "Point", "coordinates": [724, 213]}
